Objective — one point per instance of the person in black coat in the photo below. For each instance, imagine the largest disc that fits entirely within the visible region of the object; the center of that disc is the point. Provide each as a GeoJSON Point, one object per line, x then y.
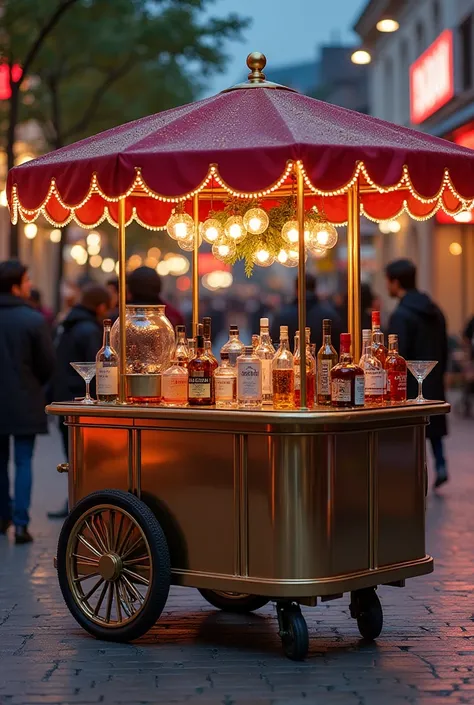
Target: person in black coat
{"type": "Point", "coordinates": [421, 329]}
{"type": "Point", "coordinates": [316, 312]}
{"type": "Point", "coordinates": [78, 339]}
{"type": "Point", "coordinates": [26, 365]}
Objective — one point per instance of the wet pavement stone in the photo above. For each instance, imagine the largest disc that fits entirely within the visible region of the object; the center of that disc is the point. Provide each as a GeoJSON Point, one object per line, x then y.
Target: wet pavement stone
{"type": "Point", "coordinates": [425, 655]}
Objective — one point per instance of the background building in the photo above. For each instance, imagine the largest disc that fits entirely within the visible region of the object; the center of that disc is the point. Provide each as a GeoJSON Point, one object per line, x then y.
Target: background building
{"type": "Point", "coordinates": [422, 75]}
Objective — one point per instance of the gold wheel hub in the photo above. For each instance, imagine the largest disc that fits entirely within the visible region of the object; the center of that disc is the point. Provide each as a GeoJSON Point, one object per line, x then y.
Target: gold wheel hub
{"type": "Point", "coordinates": [110, 566]}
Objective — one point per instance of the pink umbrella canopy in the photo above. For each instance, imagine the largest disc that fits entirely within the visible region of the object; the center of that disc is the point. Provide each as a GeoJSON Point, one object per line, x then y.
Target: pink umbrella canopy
{"type": "Point", "coordinates": [244, 143]}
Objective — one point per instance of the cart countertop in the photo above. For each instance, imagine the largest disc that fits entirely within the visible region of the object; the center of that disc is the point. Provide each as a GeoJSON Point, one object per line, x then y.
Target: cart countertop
{"type": "Point", "coordinates": [320, 416]}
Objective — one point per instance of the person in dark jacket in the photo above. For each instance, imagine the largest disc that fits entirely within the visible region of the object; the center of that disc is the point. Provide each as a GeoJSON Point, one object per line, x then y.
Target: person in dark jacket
{"type": "Point", "coordinates": [26, 365]}
{"type": "Point", "coordinates": [421, 329]}
{"type": "Point", "coordinates": [316, 311]}
{"type": "Point", "coordinates": [144, 288]}
{"type": "Point", "coordinates": [78, 339]}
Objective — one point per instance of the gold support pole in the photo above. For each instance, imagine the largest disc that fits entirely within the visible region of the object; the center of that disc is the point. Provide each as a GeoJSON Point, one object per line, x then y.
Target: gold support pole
{"type": "Point", "coordinates": [301, 283]}
{"type": "Point", "coordinates": [353, 268]}
{"type": "Point", "coordinates": [196, 264]}
{"type": "Point", "coordinates": [122, 297]}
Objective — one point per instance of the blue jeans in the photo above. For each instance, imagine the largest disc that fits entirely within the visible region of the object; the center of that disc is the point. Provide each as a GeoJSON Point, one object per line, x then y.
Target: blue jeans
{"type": "Point", "coordinates": [24, 446]}
{"type": "Point", "coordinates": [438, 453]}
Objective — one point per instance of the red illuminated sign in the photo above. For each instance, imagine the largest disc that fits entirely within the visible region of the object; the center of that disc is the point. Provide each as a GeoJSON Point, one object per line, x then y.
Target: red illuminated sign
{"type": "Point", "coordinates": [432, 79]}
{"type": "Point", "coordinates": [5, 90]}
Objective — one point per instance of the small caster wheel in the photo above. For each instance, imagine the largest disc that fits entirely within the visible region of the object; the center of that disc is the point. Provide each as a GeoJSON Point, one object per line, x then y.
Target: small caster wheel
{"type": "Point", "coordinates": [293, 631]}
{"type": "Point", "coordinates": [366, 608]}
{"type": "Point", "coordinates": [235, 602]}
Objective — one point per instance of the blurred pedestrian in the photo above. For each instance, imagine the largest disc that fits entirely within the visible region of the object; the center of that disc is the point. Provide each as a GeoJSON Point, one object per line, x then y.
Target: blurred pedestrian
{"type": "Point", "coordinates": [78, 339]}
{"type": "Point", "coordinates": [36, 302]}
{"type": "Point", "coordinates": [113, 289]}
{"type": "Point", "coordinates": [26, 365]}
{"type": "Point", "coordinates": [144, 289]}
{"type": "Point", "coordinates": [316, 311]}
{"type": "Point", "coordinates": [421, 329]}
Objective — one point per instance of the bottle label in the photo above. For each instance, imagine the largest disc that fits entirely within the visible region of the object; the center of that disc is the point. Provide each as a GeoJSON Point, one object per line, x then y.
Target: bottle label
{"type": "Point", "coordinates": [199, 387]}
{"type": "Point", "coordinates": [341, 390]}
{"type": "Point", "coordinates": [397, 384]}
{"type": "Point", "coordinates": [359, 390]}
{"type": "Point", "coordinates": [374, 382]}
{"type": "Point", "coordinates": [107, 377]}
{"type": "Point", "coordinates": [249, 380]}
{"type": "Point", "coordinates": [267, 376]}
{"type": "Point", "coordinates": [224, 388]}
{"type": "Point", "coordinates": [324, 376]}
{"type": "Point", "coordinates": [174, 388]}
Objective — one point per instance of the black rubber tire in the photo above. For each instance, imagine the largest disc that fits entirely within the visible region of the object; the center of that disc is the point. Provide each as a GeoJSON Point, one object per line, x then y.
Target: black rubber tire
{"type": "Point", "coordinates": [160, 579]}
{"type": "Point", "coordinates": [366, 608]}
{"type": "Point", "coordinates": [237, 604]}
{"type": "Point", "coordinates": [295, 639]}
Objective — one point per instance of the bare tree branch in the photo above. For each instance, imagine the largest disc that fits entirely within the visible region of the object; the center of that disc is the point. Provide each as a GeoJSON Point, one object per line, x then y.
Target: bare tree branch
{"type": "Point", "coordinates": [42, 35]}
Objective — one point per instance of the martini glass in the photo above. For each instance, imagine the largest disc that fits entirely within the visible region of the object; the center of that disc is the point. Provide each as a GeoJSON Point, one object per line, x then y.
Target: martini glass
{"type": "Point", "coordinates": [420, 369]}
{"type": "Point", "coordinates": [87, 372]}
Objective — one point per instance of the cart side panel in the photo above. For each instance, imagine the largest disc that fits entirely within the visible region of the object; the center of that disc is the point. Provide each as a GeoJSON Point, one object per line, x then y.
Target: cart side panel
{"type": "Point", "coordinates": [308, 513]}
{"type": "Point", "coordinates": [400, 493]}
{"type": "Point", "coordinates": [187, 478]}
{"type": "Point", "coordinates": [99, 460]}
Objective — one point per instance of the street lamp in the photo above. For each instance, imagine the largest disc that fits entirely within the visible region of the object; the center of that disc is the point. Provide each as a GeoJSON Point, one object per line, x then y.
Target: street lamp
{"type": "Point", "coordinates": [387, 24]}
{"type": "Point", "coordinates": [361, 57]}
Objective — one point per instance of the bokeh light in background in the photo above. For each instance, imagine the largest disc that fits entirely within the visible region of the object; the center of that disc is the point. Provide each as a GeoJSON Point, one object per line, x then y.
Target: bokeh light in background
{"type": "Point", "coordinates": [55, 235]}
{"type": "Point", "coordinates": [31, 231]}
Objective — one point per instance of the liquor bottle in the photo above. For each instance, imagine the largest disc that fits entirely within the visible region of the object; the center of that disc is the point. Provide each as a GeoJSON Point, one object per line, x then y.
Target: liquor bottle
{"type": "Point", "coordinates": [347, 379]}
{"type": "Point", "coordinates": [206, 328]}
{"type": "Point", "coordinates": [374, 374]}
{"type": "Point", "coordinates": [106, 365]}
{"type": "Point", "coordinates": [225, 384]}
{"type": "Point", "coordinates": [283, 374]}
{"type": "Point", "coordinates": [378, 342]}
{"type": "Point", "coordinates": [181, 354]}
{"type": "Point", "coordinates": [249, 380]}
{"type": "Point", "coordinates": [327, 358]}
{"type": "Point", "coordinates": [255, 341]}
{"type": "Point", "coordinates": [200, 385]}
{"type": "Point", "coordinates": [174, 384]}
{"type": "Point", "coordinates": [191, 344]}
{"type": "Point", "coordinates": [310, 372]}
{"type": "Point", "coordinates": [266, 353]}
{"type": "Point", "coordinates": [396, 370]}
{"type": "Point", "coordinates": [234, 345]}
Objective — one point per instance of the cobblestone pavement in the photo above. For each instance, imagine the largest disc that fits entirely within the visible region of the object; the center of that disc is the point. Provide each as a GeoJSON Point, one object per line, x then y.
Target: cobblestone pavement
{"type": "Point", "coordinates": [425, 654]}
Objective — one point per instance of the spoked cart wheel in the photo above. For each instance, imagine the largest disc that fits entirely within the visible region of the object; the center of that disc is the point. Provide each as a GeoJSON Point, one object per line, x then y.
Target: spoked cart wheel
{"type": "Point", "coordinates": [235, 602]}
{"type": "Point", "coordinates": [293, 631]}
{"type": "Point", "coordinates": [113, 565]}
{"type": "Point", "coordinates": [366, 608]}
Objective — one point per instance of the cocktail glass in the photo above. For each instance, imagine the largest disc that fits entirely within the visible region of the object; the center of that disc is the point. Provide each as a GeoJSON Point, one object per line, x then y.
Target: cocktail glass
{"type": "Point", "coordinates": [87, 372]}
{"type": "Point", "coordinates": [420, 369]}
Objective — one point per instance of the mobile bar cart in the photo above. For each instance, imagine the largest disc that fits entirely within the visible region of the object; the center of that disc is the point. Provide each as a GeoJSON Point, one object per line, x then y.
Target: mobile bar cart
{"type": "Point", "coordinates": [247, 507]}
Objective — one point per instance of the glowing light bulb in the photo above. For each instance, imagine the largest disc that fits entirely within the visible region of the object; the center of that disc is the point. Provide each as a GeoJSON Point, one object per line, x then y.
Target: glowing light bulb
{"type": "Point", "coordinates": [55, 235]}
{"type": "Point", "coordinates": [180, 226]}
{"type": "Point", "coordinates": [361, 57]}
{"type": "Point", "coordinates": [211, 230]}
{"type": "Point", "coordinates": [256, 221]}
{"type": "Point", "coordinates": [387, 25]}
{"type": "Point", "coordinates": [323, 234]}
{"type": "Point", "coordinates": [234, 228]}
{"type": "Point", "coordinates": [31, 231]}
{"type": "Point", "coordinates": [263, 258]}
{"type": "Point", "coordinates": [223, 250]}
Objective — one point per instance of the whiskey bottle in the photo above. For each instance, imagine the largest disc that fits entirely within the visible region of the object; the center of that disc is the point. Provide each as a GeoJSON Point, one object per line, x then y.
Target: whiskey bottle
{"type": "Point", "coordinates": [181, 354]}
{"type": "Point", "coordinates": [200, 385]}
{"type": "Point", "coordinates": [225, 384]}
{"type": "Point", "coordinates": [374, 374]}
{"type": "Point", "coordinates": [106, 365]}
{"type": "Point", "coordinates": [283, 374]}
{"type": "Point", "coordinates": [206, 331]}
{"type": "Point", "coordinates": [234, 346]}
{"type": "Point", "coordinates": [249, 380]}
{"type": "Point", "coordinates": [396, 371]}
{"type": "Point", "coordinates": [310, 372]}
{"type": "Point", "coordinates": [327, 358]}
{"type": "Point", "coordinates": [174, 384]}
{"type": "Point", "coordinates": [266, 352]}
{"type": "Point", "coordinates": [347, 379]}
